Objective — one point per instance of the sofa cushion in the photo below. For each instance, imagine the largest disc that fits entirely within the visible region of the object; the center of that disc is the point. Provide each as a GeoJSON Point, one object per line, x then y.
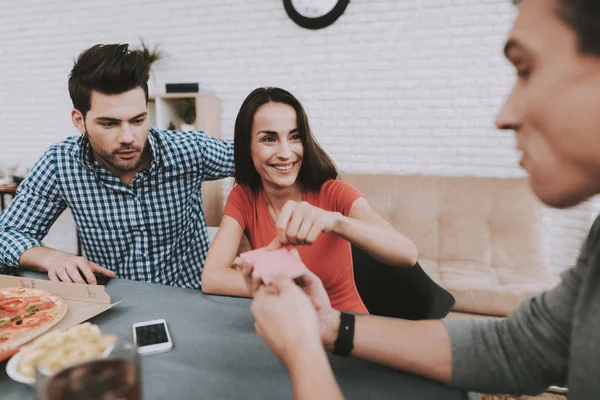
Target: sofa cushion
{"type": "Point", "coordinates": [479, 238]}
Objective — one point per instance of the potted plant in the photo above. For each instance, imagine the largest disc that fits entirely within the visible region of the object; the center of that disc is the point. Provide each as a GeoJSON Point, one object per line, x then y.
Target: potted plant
{"type": "Point", "coordinates": [186, 111]}
{"type": "Point", "coordinates": [151, 55]}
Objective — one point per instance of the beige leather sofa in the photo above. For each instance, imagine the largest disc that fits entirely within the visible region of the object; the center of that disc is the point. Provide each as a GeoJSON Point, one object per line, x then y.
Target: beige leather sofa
{"type": "Point", "coordinates": [479, 238]}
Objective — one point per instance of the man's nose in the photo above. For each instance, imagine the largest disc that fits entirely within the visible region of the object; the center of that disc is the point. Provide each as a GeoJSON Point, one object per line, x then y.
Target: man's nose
{"type": "Point", "coordinates": [126, 136]}
{"type": "Point", "coordinates": [510, 115]}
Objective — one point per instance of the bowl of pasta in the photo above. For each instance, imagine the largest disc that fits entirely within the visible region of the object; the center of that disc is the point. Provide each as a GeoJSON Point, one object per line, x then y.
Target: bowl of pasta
{"type": "Point", "coordinates": [58, 350]}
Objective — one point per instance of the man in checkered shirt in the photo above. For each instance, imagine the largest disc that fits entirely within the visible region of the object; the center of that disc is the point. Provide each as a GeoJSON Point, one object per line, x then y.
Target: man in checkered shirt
{"type": "Point", "coordinates": [134, 191]}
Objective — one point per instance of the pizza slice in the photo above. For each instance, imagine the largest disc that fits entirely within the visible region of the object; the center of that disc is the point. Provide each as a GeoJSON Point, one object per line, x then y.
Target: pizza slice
{"type": "Point", "coordinates": [25, 314]}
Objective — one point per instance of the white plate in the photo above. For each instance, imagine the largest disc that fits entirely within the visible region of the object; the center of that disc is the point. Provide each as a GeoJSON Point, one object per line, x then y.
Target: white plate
{"type": "Point", "coordinates": [12, 369]}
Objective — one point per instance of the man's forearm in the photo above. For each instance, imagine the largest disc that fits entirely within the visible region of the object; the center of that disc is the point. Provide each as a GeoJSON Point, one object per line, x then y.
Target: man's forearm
{"type": "Point", "coordinates": [13, 244]}
{"type": "Point", "coordinates": [419, 347]}
{"type": "Point", "coordinates": [312, 377]}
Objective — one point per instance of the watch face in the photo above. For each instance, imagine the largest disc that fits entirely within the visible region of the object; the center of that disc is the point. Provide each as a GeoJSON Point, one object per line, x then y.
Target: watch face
{"type": "Point", "coordinates": [313, 8]}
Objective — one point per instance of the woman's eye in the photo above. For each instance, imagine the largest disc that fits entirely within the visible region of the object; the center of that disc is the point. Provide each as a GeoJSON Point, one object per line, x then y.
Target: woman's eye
{"type": "Point", "coordinates": [296, 137]}
{"type": "Point", "coordinates": [268, 139]}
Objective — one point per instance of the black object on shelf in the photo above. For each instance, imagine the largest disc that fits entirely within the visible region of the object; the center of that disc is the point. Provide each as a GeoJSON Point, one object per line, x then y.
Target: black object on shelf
{"type": "Point", "coordinates": [182, 87]}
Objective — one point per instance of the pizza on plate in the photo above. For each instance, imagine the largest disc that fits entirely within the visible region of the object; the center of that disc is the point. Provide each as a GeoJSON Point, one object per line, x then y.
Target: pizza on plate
{"type": "Point", "coordinates": [25, 314]}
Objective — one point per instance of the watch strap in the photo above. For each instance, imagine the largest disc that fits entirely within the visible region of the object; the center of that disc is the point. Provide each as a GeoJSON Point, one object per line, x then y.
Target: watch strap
{"type": "Point", "coordinates": [345, 341]}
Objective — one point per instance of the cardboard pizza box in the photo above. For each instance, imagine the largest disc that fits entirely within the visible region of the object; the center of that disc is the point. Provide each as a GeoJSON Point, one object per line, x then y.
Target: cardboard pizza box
{"type": "Point", "coordinates": [83, 301]}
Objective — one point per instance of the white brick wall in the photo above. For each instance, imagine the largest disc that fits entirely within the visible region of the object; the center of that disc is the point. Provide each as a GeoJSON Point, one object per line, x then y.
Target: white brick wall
{"type": "Point", "coordinates": [407, 86]}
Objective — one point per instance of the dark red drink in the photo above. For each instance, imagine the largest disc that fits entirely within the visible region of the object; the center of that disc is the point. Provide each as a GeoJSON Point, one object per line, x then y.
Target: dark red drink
{"type": "Point", "coordinates": [103, 379]}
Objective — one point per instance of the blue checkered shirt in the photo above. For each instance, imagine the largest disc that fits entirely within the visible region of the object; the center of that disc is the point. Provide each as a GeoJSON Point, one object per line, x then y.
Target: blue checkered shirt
{"type": "Point", "coordinates": [153, 230]}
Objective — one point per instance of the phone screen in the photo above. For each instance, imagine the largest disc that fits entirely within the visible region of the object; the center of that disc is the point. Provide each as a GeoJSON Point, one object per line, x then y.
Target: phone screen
{"type": "Point", "coordinates": [151, 334]}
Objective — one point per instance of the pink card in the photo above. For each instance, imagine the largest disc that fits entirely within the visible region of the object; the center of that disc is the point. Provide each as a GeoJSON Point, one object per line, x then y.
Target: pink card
{"type": "Point", "coordinates": [252, 255]}
{"type": "Point", "coordinates": [270, 263]}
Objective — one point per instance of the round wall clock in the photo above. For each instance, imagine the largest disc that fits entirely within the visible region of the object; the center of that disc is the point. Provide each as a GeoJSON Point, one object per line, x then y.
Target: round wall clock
{"type": "Point", "coordinates": [315, 14]}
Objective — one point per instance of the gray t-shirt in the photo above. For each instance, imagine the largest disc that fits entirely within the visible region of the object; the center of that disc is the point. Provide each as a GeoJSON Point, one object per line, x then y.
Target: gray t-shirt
{"type": "Point", "coordinates": [550, 339]}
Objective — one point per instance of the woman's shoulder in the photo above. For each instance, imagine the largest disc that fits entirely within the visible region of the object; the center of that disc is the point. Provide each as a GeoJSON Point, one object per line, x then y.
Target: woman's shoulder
{"type": "Point", "coordinates": [336, 187]}
{"type": "Point", "coordinates": [337, 195]}
{"type": "Point", "coordinates": [243, 193]}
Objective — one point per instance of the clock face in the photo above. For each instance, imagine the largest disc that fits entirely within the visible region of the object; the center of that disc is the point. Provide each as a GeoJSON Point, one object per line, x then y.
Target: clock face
{"type": "Point", "coordinates": [313, 8]}
{"type": "Point", "coordinates": [315, 14]}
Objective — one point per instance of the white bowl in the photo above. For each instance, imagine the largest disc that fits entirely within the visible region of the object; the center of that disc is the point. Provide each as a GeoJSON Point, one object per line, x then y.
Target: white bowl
{"type": "Point", "coordinates": [12, 369]}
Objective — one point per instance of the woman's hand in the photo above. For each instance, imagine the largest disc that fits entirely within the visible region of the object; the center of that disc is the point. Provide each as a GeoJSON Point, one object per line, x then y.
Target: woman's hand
{"type": "Point", "coordinates": [302, 223]}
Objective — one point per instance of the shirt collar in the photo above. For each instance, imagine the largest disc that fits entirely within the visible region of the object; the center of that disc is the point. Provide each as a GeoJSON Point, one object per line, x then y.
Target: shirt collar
{"type": "Point", "coordinates": [157, 156]}
{"type": "Point", "coordinates": [83, 152]}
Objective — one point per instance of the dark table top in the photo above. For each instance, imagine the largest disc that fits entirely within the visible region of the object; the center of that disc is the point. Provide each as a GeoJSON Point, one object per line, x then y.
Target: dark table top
{"type": "Point", "coordinates": [218, 355]}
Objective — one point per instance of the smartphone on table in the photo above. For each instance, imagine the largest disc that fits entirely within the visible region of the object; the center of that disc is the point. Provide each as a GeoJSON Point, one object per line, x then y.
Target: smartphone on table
{"type": "Point", "coordinates": [152, 337]}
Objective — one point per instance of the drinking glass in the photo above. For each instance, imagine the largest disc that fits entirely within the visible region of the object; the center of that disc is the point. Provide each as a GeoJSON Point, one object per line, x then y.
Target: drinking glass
{"type": "Point", "coordinates": [114, 376]}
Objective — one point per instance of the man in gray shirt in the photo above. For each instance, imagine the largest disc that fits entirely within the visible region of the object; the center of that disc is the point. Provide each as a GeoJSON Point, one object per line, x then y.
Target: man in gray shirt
{"type": "Point", "coordinates": [553, 338]}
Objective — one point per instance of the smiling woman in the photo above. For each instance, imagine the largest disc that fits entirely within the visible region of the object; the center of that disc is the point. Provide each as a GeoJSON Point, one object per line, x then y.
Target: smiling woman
{"type": "Point", "coordinates": [272, 123]}
{"type": "Point", "coordinates": [277, 154]}
{"type": "Point", "coordinates": [288, 193]}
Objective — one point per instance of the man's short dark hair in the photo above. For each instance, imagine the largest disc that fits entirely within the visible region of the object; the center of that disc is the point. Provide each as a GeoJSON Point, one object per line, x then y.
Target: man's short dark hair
{"type": "Point", "coordinates": [108, 69]}
{"type": "Point", "coordinates": [584, 17]}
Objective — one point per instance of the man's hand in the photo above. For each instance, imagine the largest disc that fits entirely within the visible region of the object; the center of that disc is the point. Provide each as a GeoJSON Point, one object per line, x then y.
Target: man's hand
{"type": "Point", "coordinates": [61, 266]}
{"type": "Point", "coordinates": [285, 319]}
{"type": "Point", "coordinates": [311, 285]}
{"type": "Point", "coordinates": [329, 319]}
{"type": "Point", "coordinates": [302, 223]}
{"type": "Point", "coordinates": [69, 268]}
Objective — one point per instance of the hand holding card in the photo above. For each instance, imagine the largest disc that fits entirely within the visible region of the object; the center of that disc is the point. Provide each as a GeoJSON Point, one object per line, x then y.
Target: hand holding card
{"type": "Point", "coordinates": [270, 263]}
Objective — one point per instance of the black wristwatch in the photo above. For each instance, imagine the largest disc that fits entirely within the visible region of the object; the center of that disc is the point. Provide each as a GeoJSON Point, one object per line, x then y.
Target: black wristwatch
{"type": "Point", "coordinates": [345, 340]}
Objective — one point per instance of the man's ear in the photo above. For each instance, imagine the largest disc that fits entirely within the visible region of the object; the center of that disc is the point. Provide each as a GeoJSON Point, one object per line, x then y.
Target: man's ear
{"type": "Point", "coordinates": [78, 120]}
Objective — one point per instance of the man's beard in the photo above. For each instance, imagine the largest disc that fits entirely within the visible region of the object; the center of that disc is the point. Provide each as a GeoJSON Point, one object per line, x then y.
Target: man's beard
{"type": "Point", "coordinates": [111, 159]}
